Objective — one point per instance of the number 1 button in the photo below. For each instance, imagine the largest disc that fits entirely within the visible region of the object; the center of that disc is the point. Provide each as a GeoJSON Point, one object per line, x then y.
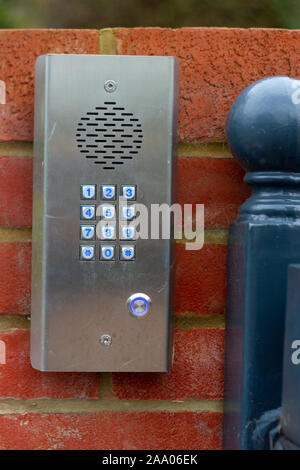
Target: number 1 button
{"type": "Point", "coordinates": [88, 191]}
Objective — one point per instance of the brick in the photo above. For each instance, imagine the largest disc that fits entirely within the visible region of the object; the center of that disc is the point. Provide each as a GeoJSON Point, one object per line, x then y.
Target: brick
{"type": "Point", "coordinates": [15, 273]}
{"type": "Point", "coordinates": [197, 372]}
{"type": "Point", "coordinates": [112, 431]}
{"type": "Point", "coordinates": [200, 280]}
{"type": "Point", "coordinates": [19, 380]}
{"type": "Point", "coordinates": [215, 182]}
{"type": "Point", "coordinates": [216, 65]}
{"type": "Point", "coordinates": [18, 52]}
{"type": "Point", "coordinates": [15, 191]}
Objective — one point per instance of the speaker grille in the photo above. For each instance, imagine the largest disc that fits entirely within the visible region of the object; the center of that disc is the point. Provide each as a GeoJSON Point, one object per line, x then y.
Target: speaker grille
{"type": "Point", "coordinates": [109, 135]}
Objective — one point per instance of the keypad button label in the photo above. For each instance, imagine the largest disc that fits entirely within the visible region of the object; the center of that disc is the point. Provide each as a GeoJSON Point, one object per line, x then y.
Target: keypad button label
{"type": "Point", "coordinates": [87, 252]}
{"type": "Point", "coordinates": [87, 232]}
{"type": "Point", "coordinates": [88, 191]}
{"type": "Point", "coordinates": [87, 212]}
{"type": "Point", "coordinates": [127, 232]}
{"type": "Point", "coordinates": [108, 211]}
{"type": "Point", "coordinates": [127, 252]}
{"type": "Point", "coordinates": [108, 232]}
{"type": "Point", "coordinates": [128, 212]}
{"type": "Point", "coordinates": [108, 192]}
{"type": "Point", "coordinates": [107, 252]}
{"type": "Point", "coordinates": [129, 192]}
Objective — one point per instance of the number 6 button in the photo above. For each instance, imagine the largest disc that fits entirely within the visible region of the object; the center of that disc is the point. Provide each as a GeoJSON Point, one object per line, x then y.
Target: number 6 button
{"type": "Point", "coordinates": [129, 192]}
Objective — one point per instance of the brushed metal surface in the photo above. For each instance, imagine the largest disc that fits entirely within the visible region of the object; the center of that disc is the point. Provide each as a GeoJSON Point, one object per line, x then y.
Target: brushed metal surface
{"type": "Point", "coordinates": [74, 302]}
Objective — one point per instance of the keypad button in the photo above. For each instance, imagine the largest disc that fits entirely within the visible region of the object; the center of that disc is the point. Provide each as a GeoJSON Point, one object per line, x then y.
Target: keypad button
{"type": "Point", "coordinates": [127, 232]}
{"type": "Point", "coordinates": [108, 192]}
{"type": "Point", "coordinates": [127, 252]}
{"type": "Point", "coordinates": [108, 211]}
{"type": "Point", "coordinates": [87, 212]}
{"type": "Point", "coordinates": [129, 192]}
{"type": "Point", "coordinates": [107, 252]}
{"type": "Point", "coordinates": [87, 252]}
{"type": "Point", "coordinates": [128, 212]}
{"type": "Point", "coordinates": [108, 232]}
{"type": "Point", "coordinates": [87, 232]}
{"type": "Point", "coordinates": [88, 191]}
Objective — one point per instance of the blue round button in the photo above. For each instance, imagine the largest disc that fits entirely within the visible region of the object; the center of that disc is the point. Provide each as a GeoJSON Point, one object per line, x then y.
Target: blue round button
{"type": "Point", "coordinates": [139, 306]}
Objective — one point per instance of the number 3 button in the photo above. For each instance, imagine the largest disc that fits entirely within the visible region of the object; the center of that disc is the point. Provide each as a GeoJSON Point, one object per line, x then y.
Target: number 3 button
{"type": "Point", "coordinates": [129, 192]}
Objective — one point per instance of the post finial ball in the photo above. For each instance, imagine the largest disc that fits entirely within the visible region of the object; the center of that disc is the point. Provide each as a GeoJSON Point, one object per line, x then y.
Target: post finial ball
{"type": "Point", "coordinates": [263, 125]}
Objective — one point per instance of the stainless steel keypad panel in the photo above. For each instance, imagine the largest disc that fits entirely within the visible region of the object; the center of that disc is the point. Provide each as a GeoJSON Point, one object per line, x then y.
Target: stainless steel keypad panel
{"type": "Point", "coordinates": [102, 296]}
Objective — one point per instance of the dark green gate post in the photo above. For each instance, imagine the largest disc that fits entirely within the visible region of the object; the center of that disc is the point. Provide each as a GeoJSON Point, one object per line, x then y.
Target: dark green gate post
{"type": "Point", "coordinates": [263, 130]}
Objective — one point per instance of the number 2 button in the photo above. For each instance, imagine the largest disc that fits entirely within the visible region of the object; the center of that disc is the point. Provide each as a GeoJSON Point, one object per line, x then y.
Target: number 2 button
{"type": "Point", "coordinates": [108, 192]}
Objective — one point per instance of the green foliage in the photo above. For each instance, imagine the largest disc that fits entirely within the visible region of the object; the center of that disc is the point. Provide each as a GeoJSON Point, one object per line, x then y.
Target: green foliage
{"type": "Point", "coordinates": [164, 13]}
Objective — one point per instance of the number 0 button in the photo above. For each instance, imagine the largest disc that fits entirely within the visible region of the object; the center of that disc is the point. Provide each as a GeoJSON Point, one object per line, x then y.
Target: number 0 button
{"type": "Point", "coordinates": [129, 192]}
{"type": "Point", "coordinates": [87, 212]}
{"type": "Point", "coordinates": [107, 252]}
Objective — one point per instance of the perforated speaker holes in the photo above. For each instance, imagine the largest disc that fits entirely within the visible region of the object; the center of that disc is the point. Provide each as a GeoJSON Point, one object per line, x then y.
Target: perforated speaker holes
{"type": "Point", "coordinates": [109, 135]}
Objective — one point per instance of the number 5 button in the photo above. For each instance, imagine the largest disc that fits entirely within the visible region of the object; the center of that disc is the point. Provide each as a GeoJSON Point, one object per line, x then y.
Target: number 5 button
{"type": "Point", "coordinates": [129, 192]}
{"type": "Point", "coordinates": [87, 212]}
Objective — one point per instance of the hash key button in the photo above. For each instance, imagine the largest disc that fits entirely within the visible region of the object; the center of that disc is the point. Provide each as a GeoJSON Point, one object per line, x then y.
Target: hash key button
{"type": "Point", "coordinates": [127, 252]}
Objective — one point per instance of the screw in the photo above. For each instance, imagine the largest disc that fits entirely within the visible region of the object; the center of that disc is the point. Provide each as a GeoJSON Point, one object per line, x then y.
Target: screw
{"type": "Point", "coordinates": [105, 340]}
{"type": "Point", "coordinates": [110, 86]}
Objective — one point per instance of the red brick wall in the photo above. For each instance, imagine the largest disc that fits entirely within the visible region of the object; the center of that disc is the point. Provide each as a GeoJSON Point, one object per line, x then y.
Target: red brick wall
{"type": "Point", "coordinates": [181, 409]}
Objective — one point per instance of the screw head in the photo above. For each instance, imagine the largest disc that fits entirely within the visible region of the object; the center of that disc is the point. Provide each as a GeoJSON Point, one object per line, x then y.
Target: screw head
{"type": "Point", "coordinates": [110, 86]}
{"type": "Point", "coordinates": [105, 340]}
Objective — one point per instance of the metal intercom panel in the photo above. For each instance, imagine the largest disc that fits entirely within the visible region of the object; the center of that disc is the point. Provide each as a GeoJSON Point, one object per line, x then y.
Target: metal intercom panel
{"type": "Point", "coordinates": [102, 297]}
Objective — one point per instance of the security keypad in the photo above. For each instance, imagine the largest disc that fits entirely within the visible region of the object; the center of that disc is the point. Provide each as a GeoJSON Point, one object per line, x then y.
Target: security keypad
{"type": "Point", "coordinates": [104, 174]}
{"type": "Point", "coordinates": [108, 236]}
